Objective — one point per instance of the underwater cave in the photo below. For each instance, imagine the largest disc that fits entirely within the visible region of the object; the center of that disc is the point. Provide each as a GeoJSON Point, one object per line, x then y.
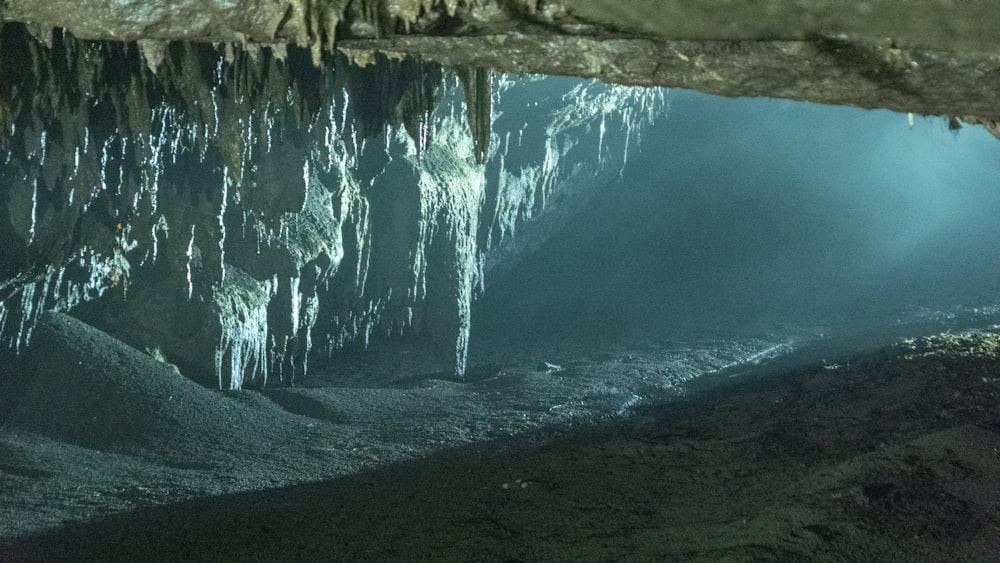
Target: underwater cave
{"type": "Point", "coordinates": [310, 283]}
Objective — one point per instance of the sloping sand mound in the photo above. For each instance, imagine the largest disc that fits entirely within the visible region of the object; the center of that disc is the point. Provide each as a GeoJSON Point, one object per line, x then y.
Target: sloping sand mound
{"type": "Point", "coordinates": [79, 385]}
{"type": "Point", "coordinates": [890, 456]}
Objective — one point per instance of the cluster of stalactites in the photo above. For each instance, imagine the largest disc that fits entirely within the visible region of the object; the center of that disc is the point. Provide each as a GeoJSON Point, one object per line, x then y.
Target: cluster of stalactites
{"type": "Point", "coordinates": [400, 16]}
{"type": "Point", "coordinates": [117, 142]}
{"type": "Point", "coordinates": [247, 115]}
{"type": "Point", "coordinates": [411, 239]}
{"type": "Point", "coordinates": [561, 132]}
{"type": "Point", "coordinates": [313, 24]}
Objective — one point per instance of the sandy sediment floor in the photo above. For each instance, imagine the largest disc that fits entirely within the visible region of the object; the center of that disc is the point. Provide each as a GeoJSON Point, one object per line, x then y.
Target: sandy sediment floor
{"type": "Point", "coordinates": [892, 455]}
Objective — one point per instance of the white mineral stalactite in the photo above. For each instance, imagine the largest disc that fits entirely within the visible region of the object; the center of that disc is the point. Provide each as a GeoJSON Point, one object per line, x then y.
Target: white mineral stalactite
{"type": "Point", "coordinates": [123, 142]}
{"type": "Point", "coordinates": [76, 169]}
{"type": "Point", "coordinates": [310, 312]}
{"type": "Point", "coordinates": [600, 139]}
{"type": "Point", "coordinates": [103, 186]}
{"type": "Point", "coordinates": [34, 211]}
{"type": "Point", "coordinates": [189, 254]}
{"type": "Point", "coordinates": [222, 223]}
{"type": "Point", "coordinates": [296, 301]}
{"type": "Point", "coordinates": [42, 144]}
{"type": "Point", "coordinates": [284, 334]}
{"type": "Point", "coordinates": [361, 215]}
{"type": "Point", "coordinates": [627, 122]}
{"type": "Point", "coordinates": [28, 315]}
{"type": "Point", "coordinates": [452, 192]}
{"type": "Point", "coordinates": [160, 226]}
{"type": "Point", "coordinates": [452, 196]}
{"type": "Point", "coordinates": [242, 313]}
{"type": "Point", "coordinates": [390, 294]}
{"type": "Point", "coordinates": [613, 116]}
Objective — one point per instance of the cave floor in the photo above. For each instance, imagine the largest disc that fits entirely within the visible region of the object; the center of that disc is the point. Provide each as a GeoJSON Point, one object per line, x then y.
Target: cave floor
{"type": "Point", "coordinates": [888, 455]}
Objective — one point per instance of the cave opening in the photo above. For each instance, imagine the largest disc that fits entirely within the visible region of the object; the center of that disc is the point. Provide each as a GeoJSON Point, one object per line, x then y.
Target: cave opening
{"type": "Point", "coordinates": [242, 275]}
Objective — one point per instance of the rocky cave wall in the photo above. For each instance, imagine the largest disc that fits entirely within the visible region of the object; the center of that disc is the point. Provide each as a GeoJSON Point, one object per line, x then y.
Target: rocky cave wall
{"type": "Point", "coordinates": [928, 57]}
{"type": "Point", "coordinates": [226, 207]}
{"type": "Point", "coordinates": [250, 177]}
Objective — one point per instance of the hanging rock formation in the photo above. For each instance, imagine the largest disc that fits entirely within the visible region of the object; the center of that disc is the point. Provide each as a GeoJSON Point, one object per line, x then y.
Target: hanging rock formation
{"type": "Point", "coordinates": [226, 207]}
{"type": "Point", "coordinates": [250, 191]}
{"type": "Point", "coordinates": [928, 57]}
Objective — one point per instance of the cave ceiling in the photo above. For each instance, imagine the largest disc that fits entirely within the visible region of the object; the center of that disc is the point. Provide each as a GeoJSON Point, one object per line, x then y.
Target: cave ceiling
{"type": "Point", "coordinates": [925, 56]}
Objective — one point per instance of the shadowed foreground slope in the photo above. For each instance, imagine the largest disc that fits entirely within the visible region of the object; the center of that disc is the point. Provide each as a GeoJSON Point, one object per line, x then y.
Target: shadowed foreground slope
{"type": "Point", "coordinates": [889, 456]}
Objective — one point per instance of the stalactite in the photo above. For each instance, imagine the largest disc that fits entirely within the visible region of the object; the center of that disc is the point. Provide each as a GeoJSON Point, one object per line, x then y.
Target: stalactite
{"type": "Point", "coordinates": [478, 87]}
{"type": "Point", "coordinates": [452, 194]}
{"type": "Point", "coordinates": [266, 198]}
{"type": "Point", "coordinates": [241, 353]}
{"type": "Point", "coordinates": [109, 141]}
{"type": "Point", "coordinates": [321, 18]}
{"type": "Point", "coordinates": [391, 92]}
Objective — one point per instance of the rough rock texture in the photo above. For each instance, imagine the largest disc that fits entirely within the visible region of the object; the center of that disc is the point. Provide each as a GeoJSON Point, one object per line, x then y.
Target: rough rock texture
{"type": "Point", "coordinates": [244, 203]}
{"type": "Point", "coordinates": [968, 25]}
{"type": "Point", "coordinates": [929, 56]}
{"type": "Point", "coordinates": [126, 160]}
{"type": "Point", "coordinates": [887, 456]}
{"type": "Point", "coordinates": [187, 19]}
{"type": "Point", "coordinates": [831, 70]}
{"type": "Point", "coordinates": [934, 23]}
